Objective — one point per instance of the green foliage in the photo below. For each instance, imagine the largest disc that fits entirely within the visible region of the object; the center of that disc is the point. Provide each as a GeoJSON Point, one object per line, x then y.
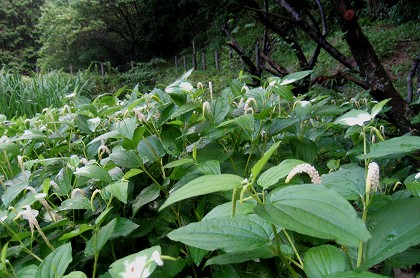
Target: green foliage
{"type": "Point", "coordinates": [18, 36]}
{"type": "Point", "coordinates": [26, 96]}
{"type": "Point", "coordinates": [182, 180]}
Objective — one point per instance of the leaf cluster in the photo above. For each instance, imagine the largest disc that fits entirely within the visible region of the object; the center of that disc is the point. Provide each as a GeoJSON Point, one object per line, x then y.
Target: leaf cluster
{"type": "Point", "coordinates": [199, 181]}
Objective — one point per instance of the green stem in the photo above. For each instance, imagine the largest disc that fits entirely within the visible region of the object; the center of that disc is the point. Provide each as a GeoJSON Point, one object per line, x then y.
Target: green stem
{"type": "Point", "coordinates": [280, 254]}
{"type": "Point", "coordinates": [294, 248]}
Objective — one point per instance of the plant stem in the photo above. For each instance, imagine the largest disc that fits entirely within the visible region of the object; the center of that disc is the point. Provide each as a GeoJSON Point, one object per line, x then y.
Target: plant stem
{"type": "Point", "coordinates": [294, 248]}
{"type": "Point", "coordinates": [280, 254]}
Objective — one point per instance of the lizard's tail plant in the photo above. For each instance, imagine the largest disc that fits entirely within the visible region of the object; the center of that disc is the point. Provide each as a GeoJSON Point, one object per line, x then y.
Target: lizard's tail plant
{"type": "Point", "coordinates": [305, 168]}
{"type": "Point", "coordinates": [372, 185]}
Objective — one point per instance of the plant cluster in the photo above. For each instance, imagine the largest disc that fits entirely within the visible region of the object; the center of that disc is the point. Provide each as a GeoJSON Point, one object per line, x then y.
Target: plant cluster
{"type": "Point", "coordinates": [184, 181]}
{"type": "Point", "coordinates": [27, 95]}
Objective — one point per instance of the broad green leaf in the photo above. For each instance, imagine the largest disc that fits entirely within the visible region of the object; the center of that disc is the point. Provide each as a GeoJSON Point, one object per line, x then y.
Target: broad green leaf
{"type": "Point", "coordinates": [219, 109]}
{"type": "Point", "coordinates": [197, 254]}
{"type": "Point", "coordinates": [348, 181]}
{"type": "Point", "coordinates": [126, 127]}
{"type": "Point", "coordinates": [378, 108]}
{"type": "Point", "coordinates": [75, 274]}
{"type": "Point", "coordinates": [323, 260]}
{"type": "Point", "coordinates": [354, 117]}
{"type": "Point", "coordinates": [118, 190]}
{"type": "Point", "coordinates": [226, 210]}
{"type": "Point", "coordinates": [4, 253]}
{"type": "Point", "coordinates": [76, 202]}
{"type": "Point", "coordinates": [170, 141]}
{"type": "Point", "coordinates": [239, 257]}
{"type": "Point", "coordinates": [316, 211]}
{"type": "Point", "coordinates": [93, 123]}
{"type": "Point", "coordinates": [204, 185]}
{"type": "Point", "coordinates": [405, 259]}
{"type": "Point", "coordinates": [329, 110]}
{"type": "Point", "coordinates": [124, 158]}
{"type": "Point", "coordinates": [230, 234]}
{"type": "Point", "coordinates": [179, 162]}
{"type": "Point", "coordinates": [16, 186]}
{"type": "Point", "coordinates": [28, 271]}
{"type": "Point", "coordinates": [10, 148]}
{"type": "Point", "coordinates": [413, 184]}
{"type": "Point", "coordinates": [295, 76]}
{"type": "Point", "coordinates": [103, 215]}
{"type": "Point", "coordinates": [245, 122]}
{"type": "Point", "coordinates": [394, 147]}
{"type": "Point", "coordinates": [274, 174]}
{"type": "Point", "coordinates": [210, 167]}
{"type": "Point", "coordinates": [110, 134]}
{"type": "Point", "coordinates": [141, 264]}
{"type": "Point", "coordinates": [131, 173]}
{"type": "Point", "coordinates": [94, 172]}
{"type": "Point", "coordinates": [236, 87]}
{"type": "Point", "coordinates": [256, 169]}
{"type": "Point", "coordinates": [150, 149]}
{"type": "Point", "coordinates": [226, 271]}
{"type": "Point", "coordinates": [354, 274]}
{"type": "Point", "coordinates": [146, 196]}
{"type": "Point", "coordinates": [278, 125]}
{"type": "Point", "coordinates": [394, 228]}
{"type": "Point", "coordinates": [123, 228]}
{"type": "Point", "coordinates": [284, 92]}
{"type": "Point", "coordinates": [56, 263]}
{"type": "Point", "coordinates": [76, 232]}
{"type": "Point", "coordinates": [183, 109]}
{"type": "Point", "coordinates": [303, 148]}
{"type": "Point", "coordinates": [98, 240]}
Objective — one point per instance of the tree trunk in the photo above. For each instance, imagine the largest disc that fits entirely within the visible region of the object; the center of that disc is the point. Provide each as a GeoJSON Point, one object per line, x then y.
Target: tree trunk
{"type": "Point", "coordinates": [371, 69]}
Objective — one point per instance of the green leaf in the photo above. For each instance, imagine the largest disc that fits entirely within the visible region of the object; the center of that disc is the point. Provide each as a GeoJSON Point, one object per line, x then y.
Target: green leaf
{"type": "Point", "coordinates": [219, 109]}
{"type": "Point", "coordinates": [75, 274]}
{"type": "Point", "coordinates": [94, 172]}
{"type": "Point", "coordinates": [245, 122]}
{"type": "Point", "coordinates": [123, 228]}
{"type": "Point", "coordinates": [77, 202]}
{"type": "Point", "coordinates": [170, 141]}
{"type": "Point", "coordinates": [394, 147]}
{"type": "Point", "coordinates": [10, 148]}
{"type": "Point", "coordinates": [204, 185]}
{"type": "Point", "coordinates": [76, 232]}
{"type": "Point", "coordinates": [295, 76]}
{"type": "Point", "coordinates": [348, 181]}
{"type": "Point", "coordinates": [354, 117]}
{"type": "Point", "coordinates": [274, 174]}
{"type": "Point", "coordinates": [118, 190]}
{"type": "Point", "coordinates": [183, 109]}
{"type": "Point", "coordinates": [230, 234]}
{"type": "Point", "coordinates": [197, 254]}
{"type": "Point", "coordinates": [316, 211]}
{"type": "Point", "coordinates": [98, 240]}
{"type": "Point", "coordinates": [110, 134]}
{"type": "Point", "coordinates": [126, 127]}
{"type": "Point", "coordinates": [124, 158]}
{"type": "Point", "coordinates": [56, 263]}
{"type": "Point", "coordinates": [226, 210]}
{"type": "Point", "coordinates": [131, 173]}
{"type": "Point", "coordinates": [413, 184]}
{"type": "Point", "coordinates": [28, 271]}
{"type": "Point", "coordinates": [378, 108]}
{"type": "Point", "coordinates": [236, 87]}
{"type": "Point", "coordinates": [394, 228]}
{"type": "Point", "coordinates": [209, 167]}
{"type": "Point", "coordinates": [239, 257]}
{"type": "Point", "coordinates": [354, 274]}
{"type": "Point", "coordinates": [179, 162]}
{"type": "Point", "coordinates": [135, 265]}
{"type": "Point", "coordinates": [17, 185]}
{"type": "Point", "coordinates": [278, 125]}
{"type": "Point", "coordinates": [150, 149]}
{"type": "Point", "coordinates": [323, 260]}
{"type": "Point", "coordinates": [256, 169]}
{"type": "Point", "coordinates": [146, 196]}
{"type": "Point", "coordinates": [284, 92]}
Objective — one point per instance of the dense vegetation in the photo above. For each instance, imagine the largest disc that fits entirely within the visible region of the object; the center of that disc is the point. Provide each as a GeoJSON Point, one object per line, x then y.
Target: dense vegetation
{"type": "Point", "coordinates": [203, 181]}
{"type": "Point", "coordinates": [305, 165]}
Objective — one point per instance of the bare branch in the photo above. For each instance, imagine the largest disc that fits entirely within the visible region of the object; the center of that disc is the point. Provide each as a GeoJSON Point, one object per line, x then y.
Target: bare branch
{"type": "Point", "coordinates": [411, 73]}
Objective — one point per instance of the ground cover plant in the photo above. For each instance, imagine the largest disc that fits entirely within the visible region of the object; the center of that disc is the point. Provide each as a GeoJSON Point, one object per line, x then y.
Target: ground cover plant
{"type": "Point", "coordinates": [186, 181]}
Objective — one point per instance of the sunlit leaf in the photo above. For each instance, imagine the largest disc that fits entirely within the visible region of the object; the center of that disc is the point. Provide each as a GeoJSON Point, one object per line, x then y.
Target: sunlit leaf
{"type": "Point", "coordinates": [354, 117]}
{"type": "Point", "coordinates": [274, 174]}
{"type": "Point", "coordinates": [295, 76]}
{"type": "Point", "coordinates": [204, 185]}
{"type": "Point", "coordinates": [94, 172]}
{"type": "Point", "coordinates": [56, 263]}
{"type": "Point", "coordinates": [230, 234]}
{"type": "Point", "coordinates": [394, 228]}
{"type": "Point", "coordinates": [126, 127]}
{"type": "Point", "coordinates": [316, 211]}
{"type": "Point", "coordinates": [323, 260]}
{"type": "Point", "coordinates": [394, 147]}
{"type": "Point", "coordinates": [256, 169]}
